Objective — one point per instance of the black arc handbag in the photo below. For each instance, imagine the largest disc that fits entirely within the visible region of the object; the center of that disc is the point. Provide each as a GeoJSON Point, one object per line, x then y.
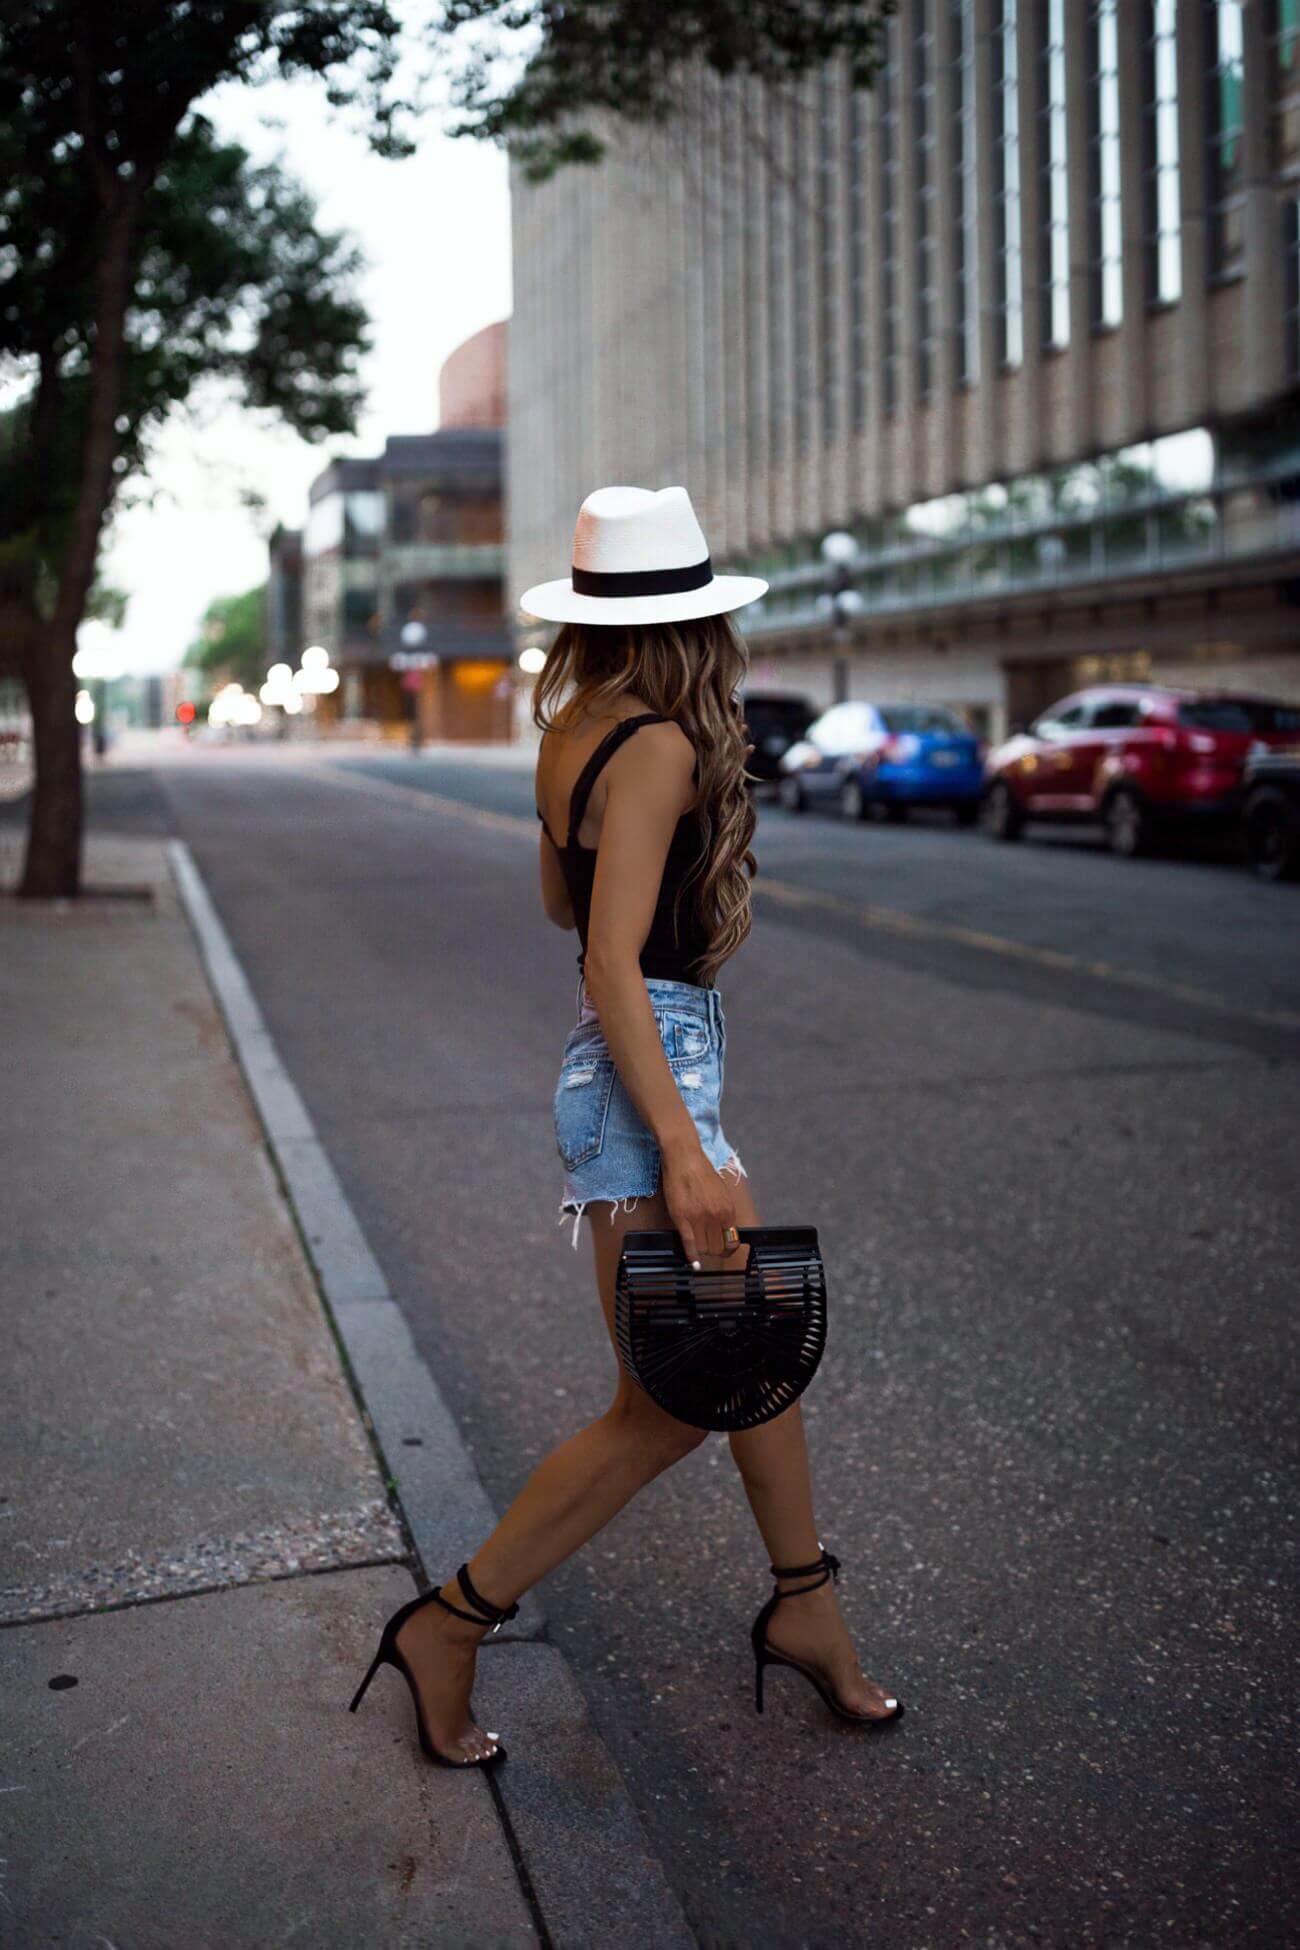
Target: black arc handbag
{"type": "Point", "coordinates": [725, 1348]}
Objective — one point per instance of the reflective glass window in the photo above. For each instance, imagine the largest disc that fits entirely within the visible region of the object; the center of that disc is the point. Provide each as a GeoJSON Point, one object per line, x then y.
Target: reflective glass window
{"type": "Point", "coordinates": [965, 251]}
{"type": "Point", "coordinates": [1054, 191]}
{"type": "Point", "coordinates": [890, 178]}
{"type": "Point", "coordinates": [1106, 241]}
{"type": "Point", "coordinates": [1225, 51]}
{"type": "Point", "coordinates": [1162, 220]}
{"type": "Point", "coordinates": [925, 193]}
{"type": "Point", "coordinates": [1006, 188]}
{"type": "Point", "coordinates": [859, 213]}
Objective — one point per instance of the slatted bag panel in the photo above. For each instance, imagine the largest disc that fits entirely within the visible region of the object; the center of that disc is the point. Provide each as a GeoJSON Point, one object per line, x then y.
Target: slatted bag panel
{"type": "Point", "coordinates": [729, 1347]}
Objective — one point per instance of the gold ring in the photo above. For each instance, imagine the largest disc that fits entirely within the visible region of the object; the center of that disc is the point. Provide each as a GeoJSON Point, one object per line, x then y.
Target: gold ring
{"type": "Point", "coordinates": [731, 1236]}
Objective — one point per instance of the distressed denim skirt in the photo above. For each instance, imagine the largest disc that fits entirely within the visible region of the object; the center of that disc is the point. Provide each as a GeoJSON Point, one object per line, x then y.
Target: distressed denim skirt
{"type": "Point", "coordinates": [608, 1151]}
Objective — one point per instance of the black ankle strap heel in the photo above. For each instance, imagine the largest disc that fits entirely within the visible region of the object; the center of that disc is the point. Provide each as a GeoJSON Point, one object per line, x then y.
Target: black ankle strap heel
{"type": "Point", "coordinates": [483, 1613]}
{"type": "Point", "coordinates": [389, 1654]}
{"type": "Point", "coordinates": [826, 1567]}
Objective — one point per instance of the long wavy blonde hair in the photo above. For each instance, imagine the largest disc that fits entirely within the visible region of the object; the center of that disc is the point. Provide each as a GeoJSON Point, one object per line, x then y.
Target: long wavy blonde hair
{"type": "Point", "coordinates": [689, 672]}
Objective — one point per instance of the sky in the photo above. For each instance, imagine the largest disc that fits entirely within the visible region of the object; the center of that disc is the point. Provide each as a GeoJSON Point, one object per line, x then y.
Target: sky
{"type": "Point", "coordinates": [436, 233]}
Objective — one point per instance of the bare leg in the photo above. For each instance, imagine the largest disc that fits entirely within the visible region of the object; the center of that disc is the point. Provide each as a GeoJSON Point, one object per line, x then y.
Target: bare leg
{"type": "Point", "coordinates": [773, 1465]}
{"type": "Point", "coordinates": [565, 1501]}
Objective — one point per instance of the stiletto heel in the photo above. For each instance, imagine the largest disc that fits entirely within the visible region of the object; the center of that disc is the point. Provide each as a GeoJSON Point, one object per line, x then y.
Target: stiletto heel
{"type": "Point", "coordinates": [825, 1568]}
{"type": "Point", "coordinates": [378, 1660]}
{"type": "Point", "coordinates": [389, 1654]}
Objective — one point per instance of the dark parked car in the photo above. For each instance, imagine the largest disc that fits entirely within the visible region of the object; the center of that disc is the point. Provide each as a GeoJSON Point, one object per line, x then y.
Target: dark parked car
{"type": "Point", "coordinates": [1139, 758]}
{"type": "Point", "coordinates": [774, 721]}
{"type": "Point", "coordinates": [886, 756]}
{"type": "Point", "coordinates": [1270, 818]}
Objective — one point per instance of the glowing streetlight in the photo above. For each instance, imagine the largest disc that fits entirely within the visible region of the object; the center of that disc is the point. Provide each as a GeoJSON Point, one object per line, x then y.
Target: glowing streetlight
{"type": "Point", "coordinates": [839, 552]}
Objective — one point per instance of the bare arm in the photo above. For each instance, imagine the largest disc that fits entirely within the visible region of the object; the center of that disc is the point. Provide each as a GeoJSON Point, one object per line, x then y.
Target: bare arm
{"type": "Point", "coordinates": [649, 788]}
{"type": "Point", "coordinates": [555, 893]}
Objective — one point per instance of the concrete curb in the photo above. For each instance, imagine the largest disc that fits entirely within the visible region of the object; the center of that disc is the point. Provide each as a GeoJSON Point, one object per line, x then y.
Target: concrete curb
{"type": "Point", "coordinates": [582, 1844]}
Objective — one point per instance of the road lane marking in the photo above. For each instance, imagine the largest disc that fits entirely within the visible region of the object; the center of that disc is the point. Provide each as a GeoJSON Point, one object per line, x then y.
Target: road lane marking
{"type": "Point", "coordinates": [889, 920]}
{"type": "Point", "coordinates": [886, 920]}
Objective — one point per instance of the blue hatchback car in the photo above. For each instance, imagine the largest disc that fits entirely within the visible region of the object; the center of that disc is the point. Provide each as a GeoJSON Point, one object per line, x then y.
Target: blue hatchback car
{"type": "Point", "coordinates": [888, 756]}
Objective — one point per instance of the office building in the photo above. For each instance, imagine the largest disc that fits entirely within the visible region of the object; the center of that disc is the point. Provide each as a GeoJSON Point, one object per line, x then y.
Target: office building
{"type": "Point", "coordinates": [1023, 319]}
{"type": "Point", "coordinates": [402, 565]}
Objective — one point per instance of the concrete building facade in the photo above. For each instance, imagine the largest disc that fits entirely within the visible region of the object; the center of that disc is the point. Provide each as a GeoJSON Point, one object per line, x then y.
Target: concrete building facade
{"type": "Point", "coordinates": [402, 568]}
{"type": "Point", "coordinates": [1023, 319]}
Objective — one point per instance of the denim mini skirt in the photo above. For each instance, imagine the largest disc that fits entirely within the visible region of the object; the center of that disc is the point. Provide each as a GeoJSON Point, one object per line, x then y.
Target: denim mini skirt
{"type": "Point", "coordinates": [607, 1150]}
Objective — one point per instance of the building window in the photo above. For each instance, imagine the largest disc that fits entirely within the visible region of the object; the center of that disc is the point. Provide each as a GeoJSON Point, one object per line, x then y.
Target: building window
{"type": "Point", "coordinates": [778, 302]}
{"type": "Point", "coordinates": [1006, 188]}
{"type": "Point", "coordinates": [965, 254]}
{"type": "Point", "coordinates": [1106, 241]}
{"type": "Point", "coordinates": [803, 244]}
{"type": "Point", "coordinates": [754, 189]}
{"type": "Point", "coordinates": [1055, 203]}
{"type": "Point", "coordinates": [1291, 251]}
{"type": "Point", "coordinates": [1163, 225]}
{"type": "Point", "coordinates": [1285, 37]}
{"type": "Point", "coordinates": [923, 143]}
{"type": "Point", "coordinates": [827, 186]}
{"type": "Point", "coordinates": [1224, 137]}
{"type": "Point", "coordinates": [889, 217]}
{"type": "Point", "coordinates": [858, 213]}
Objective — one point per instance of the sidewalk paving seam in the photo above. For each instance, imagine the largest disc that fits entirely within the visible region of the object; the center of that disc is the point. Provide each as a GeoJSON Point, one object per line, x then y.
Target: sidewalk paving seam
{"type": "Point", "coordinates": [436, 1487]}
{"type": "Point", "coordinates": [136, 1601]}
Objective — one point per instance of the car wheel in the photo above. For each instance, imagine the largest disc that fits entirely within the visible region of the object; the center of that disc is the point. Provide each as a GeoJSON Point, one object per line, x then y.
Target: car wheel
{"type": "Point", "coordinates": [1128, 824]}
{"type": "Point", "coordinates": [1000, 816]}
{"type": "Point", "coordinates": [791, 794]}
{"type": "Point", "coordinates": [1271, 825]}
{"type": "Point", "coordinates": [854, 803]}
{"type": "Point", "coordinates": [966, 815]}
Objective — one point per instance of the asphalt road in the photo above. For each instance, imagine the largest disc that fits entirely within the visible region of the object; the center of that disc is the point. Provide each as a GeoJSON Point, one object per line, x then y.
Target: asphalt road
{"type": "Point", "coordinates": [1054, 1434]}
{"type": "Point", "coordinates": [1195, 918]}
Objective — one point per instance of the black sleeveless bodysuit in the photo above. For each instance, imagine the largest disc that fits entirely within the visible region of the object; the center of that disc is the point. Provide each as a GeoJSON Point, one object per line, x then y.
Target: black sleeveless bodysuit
{"type": "Point", "coordinates": [669, 954]}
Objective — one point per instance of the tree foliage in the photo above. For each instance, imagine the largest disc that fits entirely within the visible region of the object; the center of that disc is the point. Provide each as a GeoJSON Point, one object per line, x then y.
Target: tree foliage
{"type": "Point", "coordinates": [232, 638]}
{"type": "Point", "coordinates": [139, 255]}
{"type": "Point", "coordinates": [627, 59]}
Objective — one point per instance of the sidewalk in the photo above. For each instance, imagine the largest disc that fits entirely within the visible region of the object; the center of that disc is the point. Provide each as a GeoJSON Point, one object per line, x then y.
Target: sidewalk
{"type": "Point", "coordinates": [197, 1543]}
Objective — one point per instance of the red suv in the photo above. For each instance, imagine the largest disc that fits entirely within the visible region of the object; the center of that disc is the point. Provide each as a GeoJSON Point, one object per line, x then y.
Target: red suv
{"type": "Point", "coordinates": [1137, 757]}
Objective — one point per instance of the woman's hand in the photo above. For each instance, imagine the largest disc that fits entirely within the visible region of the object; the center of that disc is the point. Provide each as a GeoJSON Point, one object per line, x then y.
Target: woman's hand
{"type": "Point", "coordinates": [700, 1201]}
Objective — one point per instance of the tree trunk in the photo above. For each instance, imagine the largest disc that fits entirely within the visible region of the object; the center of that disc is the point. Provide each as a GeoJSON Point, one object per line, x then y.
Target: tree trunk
{"type": "Point", "coordinates": [54, 841]}
{"type": "Point", "coordinates": [53, 866]}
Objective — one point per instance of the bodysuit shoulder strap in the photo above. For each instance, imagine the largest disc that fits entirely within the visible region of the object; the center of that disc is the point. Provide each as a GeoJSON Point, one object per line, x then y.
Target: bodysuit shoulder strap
{"type": "Point", "coordinates": [604, 751]}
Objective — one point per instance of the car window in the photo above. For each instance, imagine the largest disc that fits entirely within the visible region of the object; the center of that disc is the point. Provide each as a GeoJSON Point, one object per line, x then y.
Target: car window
{"type": "Point", "coordinates": [771, 712]}
{"type": "Point", "coordinates": [1055, 722]}
{"type": "Point", "coordinates": [919, 717]}
{"type": "Point", "coordinates": [1238, 714]}
{"type": "Point", "coordinates": [841, 728]}
{"type": "Point", "coordinates": [1114, 713]}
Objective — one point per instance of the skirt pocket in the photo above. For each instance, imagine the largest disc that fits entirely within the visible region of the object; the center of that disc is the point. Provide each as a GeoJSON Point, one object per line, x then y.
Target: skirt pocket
{"type": "Point", "coordinates": [582, 1106]}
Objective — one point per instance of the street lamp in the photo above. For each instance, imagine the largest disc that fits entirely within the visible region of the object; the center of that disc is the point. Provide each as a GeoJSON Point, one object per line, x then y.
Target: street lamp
{"type": "Point", "coordinates": [840, 552]}
{"type": "Point", "coordinates": [414, 637]}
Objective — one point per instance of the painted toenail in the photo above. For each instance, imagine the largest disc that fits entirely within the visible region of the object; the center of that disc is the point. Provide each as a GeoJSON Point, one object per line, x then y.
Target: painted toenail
{"type": "Point", "coordinates": [891, 1702]}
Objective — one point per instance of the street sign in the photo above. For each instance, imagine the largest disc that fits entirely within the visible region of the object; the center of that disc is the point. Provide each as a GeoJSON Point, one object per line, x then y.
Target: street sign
{"type": "Point", "coordinates": [413, 660]}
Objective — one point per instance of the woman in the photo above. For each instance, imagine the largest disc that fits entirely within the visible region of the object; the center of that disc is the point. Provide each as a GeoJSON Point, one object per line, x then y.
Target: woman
{"type": "Point", "coordinates": [646, 825]}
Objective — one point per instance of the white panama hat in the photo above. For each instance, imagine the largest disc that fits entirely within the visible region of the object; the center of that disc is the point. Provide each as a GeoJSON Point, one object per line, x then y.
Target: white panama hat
{"type": "Point", "coordinates": [639, 557]}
